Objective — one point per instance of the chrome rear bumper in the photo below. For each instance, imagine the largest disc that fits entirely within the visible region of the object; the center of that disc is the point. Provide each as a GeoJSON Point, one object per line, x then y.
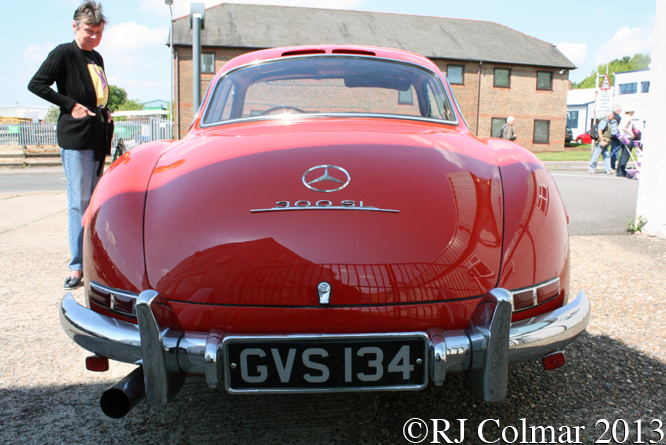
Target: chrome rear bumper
{"type": "Point", "coordinates": [483, 351]}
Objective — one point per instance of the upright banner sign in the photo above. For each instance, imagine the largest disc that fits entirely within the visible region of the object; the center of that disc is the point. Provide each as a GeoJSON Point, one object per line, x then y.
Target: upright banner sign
{"type": "Point", "coordinates": [604, 98]}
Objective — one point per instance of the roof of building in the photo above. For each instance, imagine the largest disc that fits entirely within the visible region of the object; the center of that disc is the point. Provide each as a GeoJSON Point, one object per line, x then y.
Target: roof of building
{"type": "Point", "coordinates": [263, 26]}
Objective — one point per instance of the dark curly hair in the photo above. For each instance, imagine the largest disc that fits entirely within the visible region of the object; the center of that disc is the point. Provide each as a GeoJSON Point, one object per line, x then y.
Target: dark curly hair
{"type": "Point", "coordinates": [89, 13]}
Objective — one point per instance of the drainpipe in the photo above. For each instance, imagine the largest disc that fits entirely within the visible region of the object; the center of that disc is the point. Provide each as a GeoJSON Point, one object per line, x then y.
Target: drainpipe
{"type": "Point", "coordinates": [178, 95]}
{"type": "Point", "coordinates": [197, 13]}
{"type": "Point", "coordinates": [478, 100]}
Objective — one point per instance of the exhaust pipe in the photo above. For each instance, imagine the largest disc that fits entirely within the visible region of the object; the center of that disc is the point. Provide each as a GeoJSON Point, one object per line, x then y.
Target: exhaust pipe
{"type": "Point", "coordinates": [119, 400]}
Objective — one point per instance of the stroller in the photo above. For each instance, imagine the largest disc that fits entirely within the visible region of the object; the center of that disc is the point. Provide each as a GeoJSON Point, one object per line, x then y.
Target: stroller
{"type": "Point", "coordinates": [634, 173]}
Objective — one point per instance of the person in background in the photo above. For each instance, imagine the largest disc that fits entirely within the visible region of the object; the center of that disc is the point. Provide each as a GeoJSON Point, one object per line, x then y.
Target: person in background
{"type": "Point", "coordinates": [602, 146]}
{"type": "Point", "coordinates": [507, 129]}
{"type": "Point", "coordinates": [84, 127]}
{"type": "Point", "coordinates": [616, 145]}
{"type": "Point", "coordinates": [627, 139]}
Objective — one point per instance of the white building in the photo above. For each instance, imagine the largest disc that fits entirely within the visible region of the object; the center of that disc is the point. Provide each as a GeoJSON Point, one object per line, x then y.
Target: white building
{"type": "Point", "coordinates": [24, 112]}
{"type": "Point", "coordinates": [632, 88]}
{"type": "Point", "coordinates": [580, 110]}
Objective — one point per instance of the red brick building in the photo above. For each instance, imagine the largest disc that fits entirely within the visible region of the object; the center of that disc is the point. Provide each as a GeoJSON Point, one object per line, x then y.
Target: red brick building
{"type": "Point", "coordinates": [495, 71]}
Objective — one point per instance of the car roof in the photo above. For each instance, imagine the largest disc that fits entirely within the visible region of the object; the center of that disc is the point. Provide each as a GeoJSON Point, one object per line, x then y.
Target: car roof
{"type": "Point", "coordinates": [342, 50]}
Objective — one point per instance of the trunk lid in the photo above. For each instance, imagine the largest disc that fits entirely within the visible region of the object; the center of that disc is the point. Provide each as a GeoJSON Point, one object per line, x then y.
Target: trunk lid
{"type": "Point", "coordinates": [261, 213]}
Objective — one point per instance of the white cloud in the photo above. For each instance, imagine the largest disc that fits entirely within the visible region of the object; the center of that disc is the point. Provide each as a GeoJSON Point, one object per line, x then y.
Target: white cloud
{"type": "Point", "coordinates": [131, 37]}
{"type": "Point", "coordinates": [576, 52]}
{"type": "Point", "coordinates": [626, 42]}
{"type": "Point", "coordinates": [136, 59]}
{"type": "Point", "coordinates": [35, 54]}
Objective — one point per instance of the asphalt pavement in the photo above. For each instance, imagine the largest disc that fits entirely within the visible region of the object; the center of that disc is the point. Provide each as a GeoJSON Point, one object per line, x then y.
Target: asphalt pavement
{"type": "Point", "coordinates": [598, 204]}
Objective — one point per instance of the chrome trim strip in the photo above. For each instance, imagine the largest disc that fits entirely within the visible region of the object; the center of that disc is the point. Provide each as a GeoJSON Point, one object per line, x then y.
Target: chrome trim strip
{"type": "Point", "coordinates": [367, 209]}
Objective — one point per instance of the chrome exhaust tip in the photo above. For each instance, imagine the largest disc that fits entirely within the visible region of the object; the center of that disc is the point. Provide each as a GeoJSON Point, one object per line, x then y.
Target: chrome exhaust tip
{"type": "Point", "coordinates": [119, 400]}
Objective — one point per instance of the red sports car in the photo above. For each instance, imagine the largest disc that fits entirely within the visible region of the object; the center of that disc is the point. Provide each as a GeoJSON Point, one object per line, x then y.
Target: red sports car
{"type": "Point", "coordinates": [584, 138]}
{"type": "Point", "coordinates": [329, 223]}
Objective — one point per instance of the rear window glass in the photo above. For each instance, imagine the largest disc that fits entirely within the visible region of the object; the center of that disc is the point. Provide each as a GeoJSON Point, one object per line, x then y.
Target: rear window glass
{"type": "Point", "coordinates": [328, 85]}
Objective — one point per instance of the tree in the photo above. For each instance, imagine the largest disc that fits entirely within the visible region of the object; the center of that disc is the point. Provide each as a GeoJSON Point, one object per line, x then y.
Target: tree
{"type": "Point", "coordinates": [638, 61]}
{"type": "Point", "coordinates": [117, 96]}
{"type": "Point", "coordinates": [130, 105]}
{"type": "Point", "coordinates": [52, 114]}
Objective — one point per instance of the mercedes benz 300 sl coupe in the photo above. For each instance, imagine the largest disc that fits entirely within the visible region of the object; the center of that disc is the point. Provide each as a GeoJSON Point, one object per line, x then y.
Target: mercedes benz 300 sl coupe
{"type": "Point", "coordinates": [329, 223]}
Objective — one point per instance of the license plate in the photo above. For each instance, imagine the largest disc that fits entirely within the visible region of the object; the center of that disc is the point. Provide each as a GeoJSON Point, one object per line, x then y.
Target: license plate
{"type": "Point", "coordinates": [329, 363]}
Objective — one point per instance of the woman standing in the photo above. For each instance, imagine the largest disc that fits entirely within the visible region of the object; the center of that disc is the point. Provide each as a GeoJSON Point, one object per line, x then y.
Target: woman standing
{"type": "Point", "coordinates": [84, 128]}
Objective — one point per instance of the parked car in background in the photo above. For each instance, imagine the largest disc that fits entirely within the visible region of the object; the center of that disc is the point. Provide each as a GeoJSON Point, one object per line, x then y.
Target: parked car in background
{"type": "Point", "coordinates": [584, 138]}
{"type": "Point", "coordinates": [568, 135]}
{"type": "Point", "coordinates": [329, 223]}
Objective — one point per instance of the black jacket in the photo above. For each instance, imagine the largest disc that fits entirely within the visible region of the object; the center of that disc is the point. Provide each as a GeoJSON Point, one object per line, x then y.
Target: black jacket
{"type": "Point", "coordinates": [67, 66]}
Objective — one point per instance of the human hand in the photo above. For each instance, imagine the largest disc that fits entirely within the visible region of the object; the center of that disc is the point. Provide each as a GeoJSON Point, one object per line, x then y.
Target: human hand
{"type": "Point", "coordinates": [79, 111]}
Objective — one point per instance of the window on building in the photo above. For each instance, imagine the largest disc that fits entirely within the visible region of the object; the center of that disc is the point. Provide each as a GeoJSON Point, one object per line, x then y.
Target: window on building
{"type": "Point", "coordinates": [502, 78]}
{"type": "Point", "coordinates": [208, 63]}
{"type": "Point", "coordinates": [541, 132]}
{"type": "Point", "coordinates": [455, 74]}
{"type": "Point", "coordinates": [544, 80]}
{"type": "Point", "coordinates": [496, 125]}
{"type": "Point", "coordinates": [405, 97]}
{"type": "Point", "coordinates": [629, 88]}
{"type": "Point", "coordinates": [645, 87]}
{"type": "Point", "coordinates": [572, 119]}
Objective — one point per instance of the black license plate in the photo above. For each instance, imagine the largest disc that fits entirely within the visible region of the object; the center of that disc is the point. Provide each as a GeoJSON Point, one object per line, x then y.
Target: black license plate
{"type": "Point", "coordinates": [272, 364]}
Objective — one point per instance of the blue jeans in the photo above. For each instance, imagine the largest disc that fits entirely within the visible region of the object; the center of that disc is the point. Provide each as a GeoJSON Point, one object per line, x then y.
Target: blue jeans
{"type": "Point", "coordinates": [616, 146]}
{"type": "Point", "coordinates": [81, 172]}
{"type": "Point", "coordinates": [599, 150]}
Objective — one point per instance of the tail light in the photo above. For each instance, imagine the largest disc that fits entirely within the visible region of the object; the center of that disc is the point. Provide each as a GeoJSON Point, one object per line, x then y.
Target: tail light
{"type": "Point", "coordinates": [529, 297]}
{"type": "Point", "coordinates": [115, 300]}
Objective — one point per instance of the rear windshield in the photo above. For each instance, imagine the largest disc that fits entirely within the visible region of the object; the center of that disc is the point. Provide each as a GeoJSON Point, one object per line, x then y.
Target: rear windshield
{"type": "Point", "coordinates": [333, 85]}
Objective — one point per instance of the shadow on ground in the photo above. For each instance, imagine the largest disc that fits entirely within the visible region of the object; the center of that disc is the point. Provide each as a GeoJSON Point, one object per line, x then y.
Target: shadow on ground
{"type": "Point", "coordinates": [604, 379]}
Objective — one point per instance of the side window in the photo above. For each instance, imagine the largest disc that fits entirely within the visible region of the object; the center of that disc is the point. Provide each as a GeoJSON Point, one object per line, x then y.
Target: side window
{"type": "Point", "coordinates": [572, 119]}
{"type": "Point", "coordinates": [496, 125]}
{"type": "Point", "coordinates": [435, 105]}
{"type": "Point", "coordinates": [208, 63]}
{"type": "Point", "coordinates": [455, 74]}
{"type": "Point", "coordinates": [541, 132]}
{"type": "Point", "coordinates": [502, 78]}
{"type": "Point", "coordinates": [222, 103]}
{"type": "Point", "coordinates": [226, 111]}
{"type": "Point", "coordinates": [629, 88]}
{"type": "Point", "coordinates": [544, 80]}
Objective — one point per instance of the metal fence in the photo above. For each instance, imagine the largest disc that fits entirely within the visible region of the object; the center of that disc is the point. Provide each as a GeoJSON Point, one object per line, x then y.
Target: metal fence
{"type": "Point", "coordinates": [40, 137]}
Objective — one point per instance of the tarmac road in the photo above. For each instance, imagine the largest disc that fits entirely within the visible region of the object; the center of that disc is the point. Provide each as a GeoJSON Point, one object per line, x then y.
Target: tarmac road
{"type": "Point", "coordinates": [598, 204]}
{"type": "Point", "coordinates": [616, 371]}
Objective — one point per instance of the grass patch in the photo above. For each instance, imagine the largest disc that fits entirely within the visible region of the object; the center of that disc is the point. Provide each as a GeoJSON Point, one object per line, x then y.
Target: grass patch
{"type": "Point", "coordinates": [581, 153]}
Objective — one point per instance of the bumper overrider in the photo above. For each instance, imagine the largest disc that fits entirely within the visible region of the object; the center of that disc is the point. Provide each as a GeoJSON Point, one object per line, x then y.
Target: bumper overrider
{"type": "Point", "coordinates": [483, 351]}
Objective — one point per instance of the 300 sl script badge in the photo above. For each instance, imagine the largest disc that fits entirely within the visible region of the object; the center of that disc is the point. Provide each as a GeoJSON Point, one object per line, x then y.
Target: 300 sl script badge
{"type": "Point", "coordinates": [322, 205]}
{"type": "Point", "coordinates": [322, 181]}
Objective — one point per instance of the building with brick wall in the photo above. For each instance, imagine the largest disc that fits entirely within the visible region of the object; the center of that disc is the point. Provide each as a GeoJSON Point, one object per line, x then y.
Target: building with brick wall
{"type": "Point", "coordinates": [494, 71]}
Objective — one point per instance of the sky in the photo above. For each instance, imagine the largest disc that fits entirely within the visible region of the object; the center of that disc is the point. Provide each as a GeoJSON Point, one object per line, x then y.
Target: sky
{"type": "Point", "coordinates": [137, 58]}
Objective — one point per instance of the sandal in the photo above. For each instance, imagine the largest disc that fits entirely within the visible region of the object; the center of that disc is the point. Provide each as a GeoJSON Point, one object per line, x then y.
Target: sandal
{"type": "Point", "coordinates": [73, 282]}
